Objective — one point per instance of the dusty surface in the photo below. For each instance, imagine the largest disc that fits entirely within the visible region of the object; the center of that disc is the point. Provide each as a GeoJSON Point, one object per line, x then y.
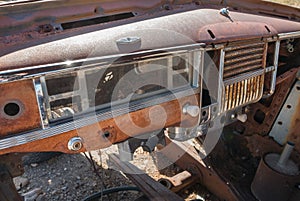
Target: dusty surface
{"type": "Point", "coordinates": [71, 177]}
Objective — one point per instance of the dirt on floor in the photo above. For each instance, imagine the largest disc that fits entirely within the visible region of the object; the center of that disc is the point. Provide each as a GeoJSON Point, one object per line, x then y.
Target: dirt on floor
{"type": "Point", "coordinates": [73, 178]}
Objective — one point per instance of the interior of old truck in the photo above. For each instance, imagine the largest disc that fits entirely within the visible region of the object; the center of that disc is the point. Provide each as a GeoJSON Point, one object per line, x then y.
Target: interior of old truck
{"type": "Point", "coordinates": [188, 99]}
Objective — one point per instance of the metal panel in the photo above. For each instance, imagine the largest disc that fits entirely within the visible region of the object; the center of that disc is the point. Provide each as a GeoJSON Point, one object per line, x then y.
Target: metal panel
{"type": "Point", "coordinates": [284, 122]}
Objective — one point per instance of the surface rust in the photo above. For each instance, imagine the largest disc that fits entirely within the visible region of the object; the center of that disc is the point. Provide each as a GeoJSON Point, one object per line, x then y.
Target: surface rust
{"type": "Point", "coordinates": [120, 129]}
{"type": "Point", "coordinates": [152, 189]}
{"type": "Point", "coordinates": [23, 93]}
{"type": "Point", "coordinates": [187, 158]}
{"type": "Point", "coordinates": [270, 109]}
{"type": "Point", "coordinates": [188, 27]}
{"type": "Point", "coordinates": [294, 128]}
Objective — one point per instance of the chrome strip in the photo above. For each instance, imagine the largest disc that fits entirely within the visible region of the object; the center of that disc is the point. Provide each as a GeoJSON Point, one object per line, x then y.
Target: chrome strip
{"type": "Point", "coordinates": [75, 65]}
{"type": "Point", "coordinates": [221, 84]}
{"type": "Point", "coordinates": [243, 77]}
{"type": "Point", "coordinates": [40, 101]}
{"type": "Point", "coordinates": [274, 74]}
{"type": "Point", "coordinates": [63, 95]}
{"type": "Point", "coordinates": [45, 98]}
{"type": "Point", "coordinates": [283, 36]}
{"type": "Point", "coordinates": [197, 62]}
{"type": "Point", "coordinates": [88, 120]}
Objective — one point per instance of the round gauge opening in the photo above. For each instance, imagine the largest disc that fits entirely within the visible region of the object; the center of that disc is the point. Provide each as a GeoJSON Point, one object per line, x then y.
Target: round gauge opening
{"type": "Point", "coordinates": [12, 109]}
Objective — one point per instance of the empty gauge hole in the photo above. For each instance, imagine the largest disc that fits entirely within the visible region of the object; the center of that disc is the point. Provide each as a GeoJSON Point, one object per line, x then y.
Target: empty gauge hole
{"type": "Point", "coordinates": [289, 106]}
{"type": "Point", "coordinates": [12, 109]}
{"type": "Point", "coordinates": [280, 122]}
{"type": "Point", "coordinates": [204, 113]}
{"type": "Point", "coordinates": [298, 88]}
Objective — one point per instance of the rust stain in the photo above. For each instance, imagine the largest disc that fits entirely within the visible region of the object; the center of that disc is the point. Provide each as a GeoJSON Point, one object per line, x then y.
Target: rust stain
{"type": "Point", "coordinates": [294, 129]}
{"type": "Point", "coordinates": [23, 94]}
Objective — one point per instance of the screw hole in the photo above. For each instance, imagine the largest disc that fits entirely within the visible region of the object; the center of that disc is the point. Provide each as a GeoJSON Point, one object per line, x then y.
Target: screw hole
{"type": "Point", "coordinates": [289, 106]}
{"type": "Point", "coordinates": [298, 88]}
{"type": "Point", "coordinates": [106, 134]}
{"type": "Point", "coordinates": [204, 113]}
{"type": "Point", "coordinates": [280, 122]}
{"type": "Point", "coordinates": [77, 146]}
{"type": "Point", "coordinates": [12, 109]}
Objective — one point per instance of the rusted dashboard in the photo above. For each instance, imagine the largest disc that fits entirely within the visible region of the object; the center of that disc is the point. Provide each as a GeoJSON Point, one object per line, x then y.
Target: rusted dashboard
{"type": "Point", "coordinates": [98, 73]}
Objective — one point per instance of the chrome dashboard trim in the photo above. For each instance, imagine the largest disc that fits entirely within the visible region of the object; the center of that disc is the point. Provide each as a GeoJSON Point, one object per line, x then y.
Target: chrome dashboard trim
{"type": "Point", "coordinates": [284, 36]}
{"type": "Point", "coordinates": [220, 80]}
{"type": "Point", "coordinates": [24, 138]}
{"type": "Point", "coordinates": [243, 77]}
{"type": "Point", "coordinates": [274, 73]}
{"type": "Point", "coordinates": [71, 66]}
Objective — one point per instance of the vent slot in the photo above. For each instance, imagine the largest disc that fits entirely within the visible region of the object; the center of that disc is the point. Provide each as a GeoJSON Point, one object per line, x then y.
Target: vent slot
{"type": "Point", "coordinates": [243, 92]}
{"type": "Point", "coordinates": [243, 74]}
{"type": "Point", "coordinates": [98, 20]}
{"type": "Point", "coordinates": [243, 59]}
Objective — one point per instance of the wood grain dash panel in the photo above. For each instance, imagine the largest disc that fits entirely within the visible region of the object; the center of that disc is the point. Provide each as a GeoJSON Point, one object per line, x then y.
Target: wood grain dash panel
{"type": "Point", "coordinates": [21, 93]}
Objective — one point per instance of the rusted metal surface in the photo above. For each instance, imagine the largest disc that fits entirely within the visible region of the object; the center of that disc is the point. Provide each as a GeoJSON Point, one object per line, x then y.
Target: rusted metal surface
{"type": "Point", "coordinates": [115, 130]}
{"type": "Point", "coordinates": [226, 31]}
{"type": "Point", "coordinates": [179, 181]}
{"type": "Point", "coordinates": [55, 12]}
{"type": "Point", "coordinates": [64, 46]}
{"type": "Point", "coordinates": [152, 189]}
{"type": "Point", "coordinates": [8, 191]}
{"type": "Point", "coordinates": [13, 163]}
{"type": "Point", "coordinates": [243, 92]}
{"type": "Point", "coordinates": [287, 123]}
{"type": "Point", "coordinates": [242, 58]}
{"type": "Point", "coordinates": [269, 184]}
{"type": "Point", "coordinates": [187, 158]}
{"type": "Point", "coordinates": [180, 177]}
{"type": "Point", "coordinates": [10, 166]}
{"type": "Point", "coordinates": [261, 145]}
{"type": "Point", "coordinates": [262, 115]}
{"type": "Point", "coordinates": [18, 108]}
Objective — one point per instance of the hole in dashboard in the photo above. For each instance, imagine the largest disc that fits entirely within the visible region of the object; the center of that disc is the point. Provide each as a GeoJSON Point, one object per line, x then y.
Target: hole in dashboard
{"type": "Point", "coordinates": [12, 109]}
{"type": "Point", "coordinates": [98, 20]}
{"type": "Point", "coordinates": [212, 35]}
{"type": "Point", "coordinates": [259, 116]}
{"type": "Point", "coordinates": [204, 113]}
{"type": "Point", "coordinates": [267, 28]}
